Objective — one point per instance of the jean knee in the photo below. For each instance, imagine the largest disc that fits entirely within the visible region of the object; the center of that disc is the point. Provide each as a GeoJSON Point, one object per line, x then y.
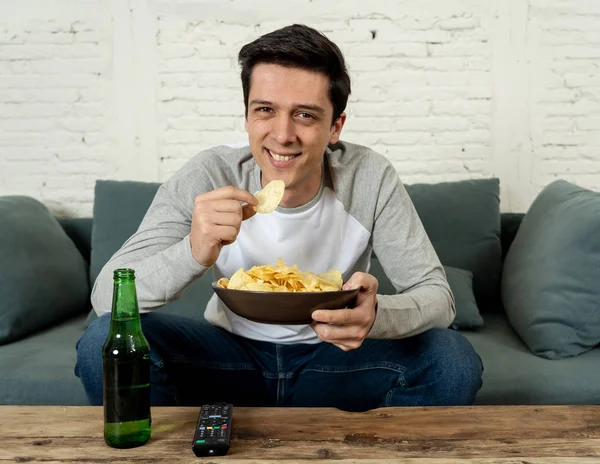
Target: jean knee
{"type": "Point", "coordinates": [457, 363]}
{"type": "Point", "coordinates": [89, 346]}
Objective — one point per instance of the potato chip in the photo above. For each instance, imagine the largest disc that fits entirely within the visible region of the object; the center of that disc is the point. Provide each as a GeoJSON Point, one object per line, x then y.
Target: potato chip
{"type": "Point", "coordinates": [239, 279]}
{"type": "Point", "coordinates": [333, 277]}
{"type": "Point", "coordinates": [270, 196]}
{"type": "Point", "coordinates": [282, 278]}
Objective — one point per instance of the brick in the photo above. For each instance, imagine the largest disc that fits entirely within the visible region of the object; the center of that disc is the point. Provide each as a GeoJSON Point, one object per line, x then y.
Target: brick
{"type": "Point", "coordinates": [569, 138]}
{"type": "Point", "coordinates": [27, 125]}
{"type": "Point", "coordinates": [418, 24]}
{"type": "Point", "coordinates": [204, 94]}
{"type": "Point", "coordinates": [405, 138]}
{"type": "Point", "coordinates": [478, 63]}
{"type": "Point", "coordinates": [392, 108]}
{"type": "Point", "coordinates": [231, 78]}
{"type": "Point", "coordinates": [570, 23]}
{"type": "Point", "coordinates": [179, 65]}
{"type": "Point", "coordinates": [588, 123]}
{"type": "Point", "coordinates": [374, 49]}
{"type": "Point", "coordinates": [553, 124]}
{"type": "Point", "coordinates": [577, 51]}
{"type": "Point", "coordinates": [570, 66]}
{"type": "Point", "coordinates": [33, 52]}
{"type": "Point", "coordinates": [81, 124]}
{"type": "Point", "coordinates": [63, 66]}
{"type": "Point", "coordinates": [429, 63]}
{"type": "Point", "coordinates": [366, 64]}
{"type": "Point", "coordinates": [73, 81]}
{"type": "Point", "coordinates": [558, 95]}
{"type": "Point", "coordinates": [556, 152]}
{"type": "Point", "coordinates": [436, 152]}
{"type": "Point", "coordinates": [553, 8]}
{"type": "Point", "coordinates": [431, 124]}
{"type": "Point", "coordinates": [459, 23]}
{"type": "Point", "coordinates": [571, 166]}
{"type": "Point", "coordinates": [455, 49]}
{"type": "Point", "coordinates": [454, 79]}
{"type": "Point", "coordinates": [369, 124]}
{"type": "Point", "coordinates": [33, 110]}
{"type": "Point", "coordinates": [39, 95]}
{"type": "Point", "coordinates": [29, 154]}
{"type": "Point", "coordinates": [458, 138]}
{"type": "Point", "coordinates": [202, 123]}
{"type": "Point", "coordinates": [577, 108]}
{"type": "Point", "coordinates": [581, 80]}
{"type": "Point", "coordinates": [462, 107]}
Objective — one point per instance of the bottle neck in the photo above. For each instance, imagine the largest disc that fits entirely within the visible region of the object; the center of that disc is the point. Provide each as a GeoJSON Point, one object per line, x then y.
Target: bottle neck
{"type": "Point", "coordinates": [125, 303]}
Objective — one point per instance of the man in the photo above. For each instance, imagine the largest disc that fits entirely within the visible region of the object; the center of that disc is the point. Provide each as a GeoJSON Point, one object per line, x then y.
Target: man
{"type": "Point", "coordinates": [341, 203]}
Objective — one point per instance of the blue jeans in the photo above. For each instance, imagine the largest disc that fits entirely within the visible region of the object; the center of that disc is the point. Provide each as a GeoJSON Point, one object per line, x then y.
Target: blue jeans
{"type": "Point", "coordinates": [193, 362]}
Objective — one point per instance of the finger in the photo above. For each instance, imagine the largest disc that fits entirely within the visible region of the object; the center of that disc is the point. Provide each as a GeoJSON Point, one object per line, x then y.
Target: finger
{"type": "Point", "coordinates": [345, 347]}
{"type": "Point", "coordinates": [336, 316]}
{"type": "Point", "coordinates": [357, 280]}
{"type": "Point", "coordinates": [226, 234]}
{"type": "Point", "coordinates": [227, 206]}
{"type": "Point", "coordinates": [346, 335]}
{"type": "Point", "coordinates": [225, 219]}
{"type": "Point", "coordinates": [247, 212]}
{"type": "Point", "coordinates": [229, 192]}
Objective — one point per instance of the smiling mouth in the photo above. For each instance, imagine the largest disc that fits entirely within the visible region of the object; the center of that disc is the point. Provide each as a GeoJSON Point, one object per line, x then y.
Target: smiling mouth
{"type": "Point", "coordinates": [280, 156]}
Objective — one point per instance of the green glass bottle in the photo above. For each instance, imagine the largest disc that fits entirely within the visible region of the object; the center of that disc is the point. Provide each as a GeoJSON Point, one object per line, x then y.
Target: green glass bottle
{"type": "Point", "coordinates": [126, 369]}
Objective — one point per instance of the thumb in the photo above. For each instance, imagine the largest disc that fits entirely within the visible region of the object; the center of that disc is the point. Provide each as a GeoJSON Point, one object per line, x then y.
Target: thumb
{"type": "Point", "coordinates": [352, 283]}
{"type": "Point", "coordinates": [247, 211]}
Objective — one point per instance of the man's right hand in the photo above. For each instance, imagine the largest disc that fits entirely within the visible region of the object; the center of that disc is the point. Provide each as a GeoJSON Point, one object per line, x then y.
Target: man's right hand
{"type": "Point", "coordinates": [216, 221]}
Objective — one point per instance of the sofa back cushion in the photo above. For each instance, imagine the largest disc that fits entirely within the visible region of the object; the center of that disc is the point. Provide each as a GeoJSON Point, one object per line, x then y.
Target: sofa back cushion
{"type": "Point", "coordinates": [462, 220]}
{"type": "Point", "coordinates": [551, 279]}
{"type": "Point", "coordinates": [43, 277]}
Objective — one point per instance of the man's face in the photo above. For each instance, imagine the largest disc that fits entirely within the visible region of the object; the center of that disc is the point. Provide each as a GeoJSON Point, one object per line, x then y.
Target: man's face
{"type": "Point", "coordinates": [289, 127]}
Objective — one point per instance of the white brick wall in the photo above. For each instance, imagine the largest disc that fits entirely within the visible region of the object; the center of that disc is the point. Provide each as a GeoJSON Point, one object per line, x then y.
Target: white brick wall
{"type": "Point", "coordinates": [447, 89]}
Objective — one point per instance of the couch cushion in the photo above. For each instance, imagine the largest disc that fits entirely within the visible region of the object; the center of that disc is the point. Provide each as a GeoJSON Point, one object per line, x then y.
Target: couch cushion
{"type": "Point", "coordinates": [513, 375]}
{"type": "Point", "coordinates": [467, 313]}
{"type": "Point", "coordinates": [119, 207]}
{"type": "Point", "coordinates": [43, 277]}
{"type": "Point", "coordinates": [462, 220]}
{"type": "Point", "coordinates": [38, 370]}
{"type": "Point", "coordinates": [551, 280]}
{"type": "Point", "coordinates": [461, 283]}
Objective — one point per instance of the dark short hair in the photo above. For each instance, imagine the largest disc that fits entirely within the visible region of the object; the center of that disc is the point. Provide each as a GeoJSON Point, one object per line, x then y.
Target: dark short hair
{"type": "Point", "coordinates": [303, 47]}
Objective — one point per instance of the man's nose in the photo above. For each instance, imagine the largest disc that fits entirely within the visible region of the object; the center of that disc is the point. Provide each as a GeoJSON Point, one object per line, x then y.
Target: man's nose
{"type": "Point", "coordinates": [283, 130]}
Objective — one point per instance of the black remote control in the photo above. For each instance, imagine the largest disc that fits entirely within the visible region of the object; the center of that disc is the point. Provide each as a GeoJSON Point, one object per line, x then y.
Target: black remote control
{"type": "Point", "coordinates": [213, 430]}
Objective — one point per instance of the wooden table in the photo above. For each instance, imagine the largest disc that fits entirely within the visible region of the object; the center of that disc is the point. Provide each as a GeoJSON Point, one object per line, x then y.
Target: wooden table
{"type": "Point", "coordinates": [482, 434]}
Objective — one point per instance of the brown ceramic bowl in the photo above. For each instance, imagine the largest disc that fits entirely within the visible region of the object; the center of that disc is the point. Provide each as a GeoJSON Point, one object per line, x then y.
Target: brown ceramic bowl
{"type": "Point", "coordinates": [283, 308]}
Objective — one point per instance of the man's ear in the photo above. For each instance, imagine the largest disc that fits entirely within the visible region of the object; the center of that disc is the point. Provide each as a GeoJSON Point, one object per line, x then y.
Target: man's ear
{"type": "Point", "coordinates": [246, 123]}
{"type": "Point", "coordinates": [336, 128]}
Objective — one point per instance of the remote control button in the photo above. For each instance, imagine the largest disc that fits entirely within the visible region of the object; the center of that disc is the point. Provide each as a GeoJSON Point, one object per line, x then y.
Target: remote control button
{"type": "Point", "coordinates": [200, 442]}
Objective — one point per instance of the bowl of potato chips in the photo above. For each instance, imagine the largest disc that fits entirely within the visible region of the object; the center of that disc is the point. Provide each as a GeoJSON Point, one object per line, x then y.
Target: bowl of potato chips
{"type": "Point", "coordinates": [282, 294]}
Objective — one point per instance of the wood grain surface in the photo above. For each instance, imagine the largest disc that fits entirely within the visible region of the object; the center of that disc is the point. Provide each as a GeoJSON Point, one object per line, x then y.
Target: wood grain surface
{"type": "Point", "coordinates": [478, 434]}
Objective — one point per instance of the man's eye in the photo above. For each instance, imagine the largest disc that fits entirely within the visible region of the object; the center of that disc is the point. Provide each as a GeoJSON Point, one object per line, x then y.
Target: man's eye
{"type": "Point", "coordinates": [263, 109]}
{"type": "Point", "coordinates": [306, 116]}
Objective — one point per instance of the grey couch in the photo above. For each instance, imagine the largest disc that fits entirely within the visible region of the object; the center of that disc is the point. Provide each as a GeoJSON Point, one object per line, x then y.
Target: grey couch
{"type": "Point", "coordinates": [38, 369]}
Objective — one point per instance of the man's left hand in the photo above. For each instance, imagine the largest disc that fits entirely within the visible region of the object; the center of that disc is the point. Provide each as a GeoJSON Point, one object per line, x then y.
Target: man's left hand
{"type": "Point", "coordinates": [347, 328]}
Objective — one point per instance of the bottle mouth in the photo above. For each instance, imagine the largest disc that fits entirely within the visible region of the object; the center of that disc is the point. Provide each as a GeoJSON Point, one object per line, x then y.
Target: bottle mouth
{"type": "Point", "coordinates": [124, 273]}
